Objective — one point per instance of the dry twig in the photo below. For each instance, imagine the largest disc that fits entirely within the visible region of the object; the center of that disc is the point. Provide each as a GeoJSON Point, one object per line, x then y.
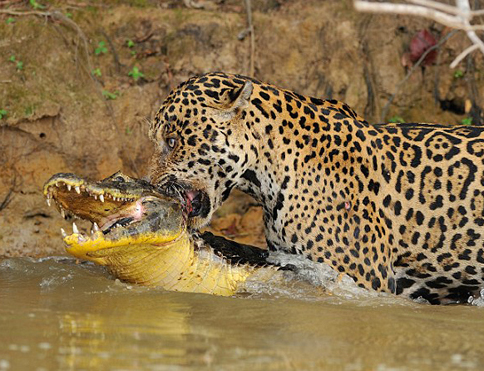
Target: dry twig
{"type": "Point", "coordinates": [250, 29]}
{"type": "Point", "coordinates": [61, 17]}
{"type": "Point", "coordinates": [6, 200]}
{"type": "Point", "coordinates": [117, 63]}
{"type": "Point", "coordinates": [57, 15]}
{"type": "Point", "coordinates": [458, 17]}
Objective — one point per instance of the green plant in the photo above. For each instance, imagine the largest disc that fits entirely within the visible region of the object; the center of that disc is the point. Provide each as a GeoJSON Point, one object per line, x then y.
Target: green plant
{"type": "Point", "coordinates": [110, 96]}
{"type": "Point", "coordinates": [458, 74]}
{"type": "Point", "coordinates": [133, 52]}
{"type": "Point", "coordinates": [97, 72]}
{"type": "Point", "coordinates": [128, 130]}
{"type": "Point", "coordinates": [396, 119]}
{"type": "Point", "coordinates": [34, 4]}
{"type": "Point", "coordinates": [140, 3]}
{"type": "Point", "coordinates": [130, 43]}
{"type": "Point", "coordinates": [69, 15]}
{"type": "Point", "coordinates": [10, 20]}
{"type": "Point", "coordinates": [466, 121]}
{"type": "Point", "coordinates": [18, 64]}
{"type": "Point", "coordinates": [136, 74]}
{"type": "Point", "coordinates": [3, 113]}
{"type": "Point", "coordinates": [101, 48]}
{"type": "Point", "coordinates": [29, 111]}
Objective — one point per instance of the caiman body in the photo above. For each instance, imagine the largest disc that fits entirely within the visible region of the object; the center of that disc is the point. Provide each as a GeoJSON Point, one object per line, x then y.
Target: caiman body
{"type": "Point", "coordinates": [141, 236]}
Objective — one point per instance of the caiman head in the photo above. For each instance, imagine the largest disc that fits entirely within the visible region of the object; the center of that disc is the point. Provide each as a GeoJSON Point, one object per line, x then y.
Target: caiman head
{"type": "Point", "coordinates": [126, 214]}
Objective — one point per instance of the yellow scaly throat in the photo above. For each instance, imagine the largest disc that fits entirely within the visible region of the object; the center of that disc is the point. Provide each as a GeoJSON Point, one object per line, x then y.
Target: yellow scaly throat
{"type": "Point", "coordinates": [170, 262]}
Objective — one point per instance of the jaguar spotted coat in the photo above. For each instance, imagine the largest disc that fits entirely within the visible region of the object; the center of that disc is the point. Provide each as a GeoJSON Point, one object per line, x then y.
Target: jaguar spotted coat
{"type": "Point", "coordinates": [399, 208]}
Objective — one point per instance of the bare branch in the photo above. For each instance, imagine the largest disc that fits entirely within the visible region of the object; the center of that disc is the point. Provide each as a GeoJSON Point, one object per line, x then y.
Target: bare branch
{"type": "Point", "coordinates": [13, 12]}
{"type": "Point", "coordinates": [462, 55]}
{"type": "Point", "coordinates": [454, 21]}
{"type": "Point", "coordinates": [250, 29]}
{"type": "Point", "coordinates": [6, 200]}
{"type": "Point", "coordinates": [436, 5]}
{"type": "Point", "coordinates": [57, 15]}
{"type": "Point", "coordinates": [465, 7]}
{"type": "Point", "coordinates": [457, 17]}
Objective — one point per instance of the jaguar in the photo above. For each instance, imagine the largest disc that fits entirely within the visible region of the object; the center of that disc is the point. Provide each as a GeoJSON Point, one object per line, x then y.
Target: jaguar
{"type": "Point", "coordinates": [397, 207]}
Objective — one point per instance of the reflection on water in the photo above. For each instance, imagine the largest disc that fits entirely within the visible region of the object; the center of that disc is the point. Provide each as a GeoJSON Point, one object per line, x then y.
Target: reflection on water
{"type": "Point", "coordinates": [56, 315]}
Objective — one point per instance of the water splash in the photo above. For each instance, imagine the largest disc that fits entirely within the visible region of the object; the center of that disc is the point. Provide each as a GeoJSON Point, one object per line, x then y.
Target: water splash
{"type": "Point", "coordinates": [479, 301]}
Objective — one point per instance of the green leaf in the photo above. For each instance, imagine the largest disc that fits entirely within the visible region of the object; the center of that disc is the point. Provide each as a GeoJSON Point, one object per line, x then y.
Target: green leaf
{"type": "Point", "coordinates": [3, 113]}
{"type": "Point", "coordinates": [97, 72]}
{"type": "Point", "coordinates": [20, 66]}
{"type": "Point", "coordinates": [396, 119]}
{"type": "Point", "coordinates": [69, 15]}
{"type": "Point", "coordinates": [12, 58]}
{"type": "Point", "coordinates": [29, 111]}
{"type": "Point", "coordinates": [101, 48]}
{"type": "Point", "coordinates": [136, 74]}
{"type": "Point", "coordinates": [130, 43]}
{"type": "Point", "coordinates": [10, 20]}
{"type": "Point", "coordinates": [458, 74]}
{"type": "Point", "coordinates": [128, 130]}
{"type": "Point", "coordinates": [36, 5]}
{"type": "Point", "coordinates": [467, 121]}
{"type": "Point", "coordinates": [110, 96]}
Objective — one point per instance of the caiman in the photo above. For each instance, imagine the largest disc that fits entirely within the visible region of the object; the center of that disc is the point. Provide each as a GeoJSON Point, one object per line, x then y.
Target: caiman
{"type": "Point", "coordinates": [141, 235]}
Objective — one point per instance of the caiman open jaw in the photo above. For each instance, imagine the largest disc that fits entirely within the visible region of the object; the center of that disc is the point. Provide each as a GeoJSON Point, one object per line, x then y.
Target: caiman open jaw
{"type": "Point", "coordinates": [124, 211]}
{"type": "Point", "coordinates": [140, 234]}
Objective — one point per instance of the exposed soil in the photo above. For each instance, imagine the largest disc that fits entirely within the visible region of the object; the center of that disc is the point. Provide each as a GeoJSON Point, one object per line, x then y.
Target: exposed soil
{"type": "Point", "coordinates": [60, 118]}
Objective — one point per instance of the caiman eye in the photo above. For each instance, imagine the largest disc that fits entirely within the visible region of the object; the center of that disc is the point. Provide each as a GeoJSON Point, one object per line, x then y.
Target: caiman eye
{"type": "Point", "coordinates": [171, 142]}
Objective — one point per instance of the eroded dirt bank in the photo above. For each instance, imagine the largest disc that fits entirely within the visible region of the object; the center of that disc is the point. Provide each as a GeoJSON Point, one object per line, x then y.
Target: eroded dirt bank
{"type": "Point", "coordinates": [77, 89]}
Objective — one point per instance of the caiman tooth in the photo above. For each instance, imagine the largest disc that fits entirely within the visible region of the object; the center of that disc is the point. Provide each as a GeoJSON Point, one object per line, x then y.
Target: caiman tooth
{"type": "Point", "coordinates": [74, 228]}
{"type": "Point", "coordinates": [63, 213]}
{"type": "Point", "coordinates": [95, 196]}
{"type": "Point", "coordinates": [48, 202]}
{"type": "Point", "coordinates": [101, 197]}
{"type": "Point", "coordinates": [94, 228]}
{"type": "Point", "coordinates": [64, 234]}
{"type": "Point", "coordinates": [78, 190]}
{"type": "Point", "coordinates": [69, 187]}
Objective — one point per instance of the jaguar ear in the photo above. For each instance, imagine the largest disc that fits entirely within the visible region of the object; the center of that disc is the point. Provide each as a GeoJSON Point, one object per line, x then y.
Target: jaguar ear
{"type": "Point", "coordinates": [238, 98]}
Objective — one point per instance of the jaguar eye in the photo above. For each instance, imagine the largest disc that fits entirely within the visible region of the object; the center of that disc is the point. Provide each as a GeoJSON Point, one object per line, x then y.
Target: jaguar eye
{"type": "Point", "coordinates": [171, 142]}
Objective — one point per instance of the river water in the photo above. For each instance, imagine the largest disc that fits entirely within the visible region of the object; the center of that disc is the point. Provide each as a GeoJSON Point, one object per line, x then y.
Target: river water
{"type": "Point", "coordinates": [58, 315]}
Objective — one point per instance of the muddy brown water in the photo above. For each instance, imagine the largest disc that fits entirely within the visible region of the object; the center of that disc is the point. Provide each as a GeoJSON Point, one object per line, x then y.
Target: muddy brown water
{"type": "Point", "coordinates": [58, 315]}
